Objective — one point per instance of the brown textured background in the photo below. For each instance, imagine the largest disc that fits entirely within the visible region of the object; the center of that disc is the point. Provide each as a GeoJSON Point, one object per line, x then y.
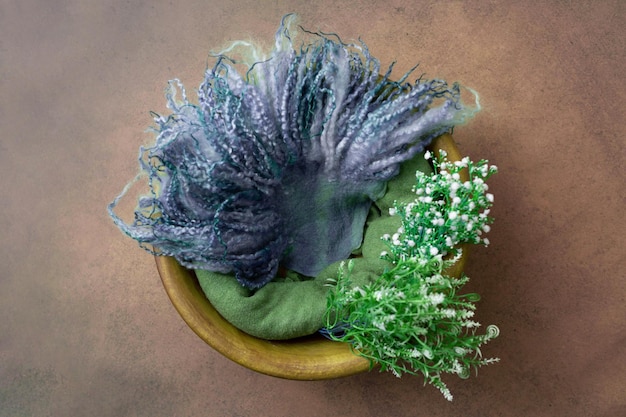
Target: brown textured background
{"type": "Point", "coordinates": [86, 328]}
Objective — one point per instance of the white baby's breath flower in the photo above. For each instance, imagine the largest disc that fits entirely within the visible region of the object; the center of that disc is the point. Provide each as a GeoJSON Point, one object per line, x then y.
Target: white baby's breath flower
{"type": "Point", "coordinates": [428, 155]}
{"type": "Point", "coordinates": [445, 391]}
{"type": "Point", "coordinates": [434, 279]}
{"type": "Point", "coordinates": [380, 325]}
{"type": "Point", "coordinates": [489, 197]}
{"type": "Point", "coordinates": [436, 298]}
{"type": "Point", "coordinates": [392, 211]}
{"type": "Point", "coordinates": [433, 250]}
{"type": "Point", "coordinates": [467, 314]}
{"type": "Point", "coordinates": [414, 353]}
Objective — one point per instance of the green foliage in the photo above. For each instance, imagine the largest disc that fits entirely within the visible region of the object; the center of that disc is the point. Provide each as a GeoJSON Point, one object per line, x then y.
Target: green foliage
{"type": "Point", "coordinates": [413, 319]}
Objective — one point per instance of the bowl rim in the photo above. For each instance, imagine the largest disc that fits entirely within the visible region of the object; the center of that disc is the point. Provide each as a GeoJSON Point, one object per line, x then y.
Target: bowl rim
{"type": "Point", "coordinates": [306, 358]}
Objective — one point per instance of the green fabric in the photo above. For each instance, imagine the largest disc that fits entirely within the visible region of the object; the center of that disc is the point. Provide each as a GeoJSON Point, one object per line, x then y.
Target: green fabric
{"type": "Point", "coordinates": [295, 305]}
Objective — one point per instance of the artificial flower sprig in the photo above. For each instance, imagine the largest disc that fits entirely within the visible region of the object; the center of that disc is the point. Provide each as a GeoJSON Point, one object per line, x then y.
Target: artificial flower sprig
{"type": "Point", "coordinates": [412, 319]}
{"type": "Point", "coordinates": [446, 212]}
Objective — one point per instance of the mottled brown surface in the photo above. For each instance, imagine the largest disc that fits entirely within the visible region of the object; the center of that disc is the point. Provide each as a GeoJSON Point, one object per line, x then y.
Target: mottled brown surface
{"type": "Point", "coordinates": [86, 328]}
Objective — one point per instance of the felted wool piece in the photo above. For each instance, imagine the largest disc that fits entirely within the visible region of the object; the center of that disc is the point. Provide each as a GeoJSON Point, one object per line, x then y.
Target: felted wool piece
{"type": "Point", "coordinates": [295, 306]}
{"type": "Point", "coordinates": [279, 164]}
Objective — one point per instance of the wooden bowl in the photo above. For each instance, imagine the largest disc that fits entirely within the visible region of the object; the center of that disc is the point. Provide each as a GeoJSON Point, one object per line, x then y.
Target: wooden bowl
{"type": "Point", "coordinates": [307, 358]}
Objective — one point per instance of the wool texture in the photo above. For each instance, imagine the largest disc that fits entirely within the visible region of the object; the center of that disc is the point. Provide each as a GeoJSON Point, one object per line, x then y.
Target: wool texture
{"type": "Point", "coordinates": [279, 164]}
